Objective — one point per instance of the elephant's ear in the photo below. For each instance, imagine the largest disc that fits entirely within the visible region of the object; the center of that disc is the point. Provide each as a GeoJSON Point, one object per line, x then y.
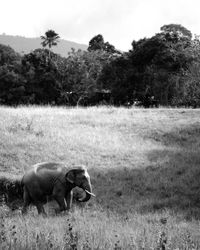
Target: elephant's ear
{"type": "Point", "coordinates": [70, 176]}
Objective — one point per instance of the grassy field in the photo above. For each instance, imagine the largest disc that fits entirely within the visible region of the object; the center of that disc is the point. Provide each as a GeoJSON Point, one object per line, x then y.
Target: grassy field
{"type": "Point", "coordinates": [145, 171]}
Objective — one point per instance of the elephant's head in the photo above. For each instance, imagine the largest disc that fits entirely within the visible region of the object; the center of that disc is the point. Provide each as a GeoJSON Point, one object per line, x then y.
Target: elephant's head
{"type": "Point", "coordinates": [79, 177]}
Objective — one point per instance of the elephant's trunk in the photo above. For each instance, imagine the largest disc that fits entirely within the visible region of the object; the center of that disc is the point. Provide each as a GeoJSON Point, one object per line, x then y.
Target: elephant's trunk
{"type": "Point", "coordinates": [88, 191]}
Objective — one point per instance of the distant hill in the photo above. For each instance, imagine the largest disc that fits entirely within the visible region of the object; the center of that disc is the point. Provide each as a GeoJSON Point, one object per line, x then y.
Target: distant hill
{"type": "Point", "coordinates": [24, 45]}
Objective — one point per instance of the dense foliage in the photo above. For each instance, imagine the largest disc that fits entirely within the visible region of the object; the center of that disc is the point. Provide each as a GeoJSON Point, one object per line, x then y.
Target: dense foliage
{"type": "Point", "coordinates": [164, 68]}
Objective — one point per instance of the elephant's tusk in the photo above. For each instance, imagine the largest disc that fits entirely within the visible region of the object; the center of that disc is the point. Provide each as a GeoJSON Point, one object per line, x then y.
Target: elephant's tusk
{"type": "Point", "coordinates": [89, 193]}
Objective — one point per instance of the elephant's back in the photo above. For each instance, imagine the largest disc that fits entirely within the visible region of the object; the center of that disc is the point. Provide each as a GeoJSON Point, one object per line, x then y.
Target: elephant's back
{"type": "Point", "coordinates": [49, 167]}
{"type": "Point", "coordinates": [45, 169]}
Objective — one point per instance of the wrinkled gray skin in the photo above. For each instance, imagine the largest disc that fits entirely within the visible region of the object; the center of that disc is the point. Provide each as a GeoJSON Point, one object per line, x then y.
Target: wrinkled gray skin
{"type": "Point", "coordinates": [48, 180]}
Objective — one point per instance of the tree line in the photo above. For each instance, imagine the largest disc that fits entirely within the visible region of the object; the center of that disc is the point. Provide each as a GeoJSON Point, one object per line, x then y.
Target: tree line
{"type": "Point", "coordinates": [164, 67]}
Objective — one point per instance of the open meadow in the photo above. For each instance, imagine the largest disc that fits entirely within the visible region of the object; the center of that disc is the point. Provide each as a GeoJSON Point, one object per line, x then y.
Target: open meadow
{"type": "Point", "coordinates": [145, 171]}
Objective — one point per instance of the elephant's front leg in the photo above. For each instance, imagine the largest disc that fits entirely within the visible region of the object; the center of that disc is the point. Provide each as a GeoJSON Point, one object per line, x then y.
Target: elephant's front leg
{"type": "Point", "coordinates": [61, 202]}
{"type": "Point", "coordinates": [69, 197]}
{"type": "Point", "coordinates": [59, 196]}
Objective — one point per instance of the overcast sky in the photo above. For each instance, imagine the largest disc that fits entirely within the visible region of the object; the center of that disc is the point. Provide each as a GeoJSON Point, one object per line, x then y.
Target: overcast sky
{"type": "Point", "coordinates": [119, 21]}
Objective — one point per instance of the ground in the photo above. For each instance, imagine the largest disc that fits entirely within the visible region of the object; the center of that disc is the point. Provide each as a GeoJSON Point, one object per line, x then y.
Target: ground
{"type": "Point", "coordinates": [144, 168]}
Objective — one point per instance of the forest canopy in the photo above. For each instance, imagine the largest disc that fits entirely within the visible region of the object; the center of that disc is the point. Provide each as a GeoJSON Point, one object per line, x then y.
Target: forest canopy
{"type": "Point", "coordinates": [164, 67]}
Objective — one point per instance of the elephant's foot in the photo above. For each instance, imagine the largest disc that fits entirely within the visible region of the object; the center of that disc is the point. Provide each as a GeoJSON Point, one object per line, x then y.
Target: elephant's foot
{"type": "Point", "coordinates": [59, 211]}
{"type": "Point", "coordinates": [41, 210]}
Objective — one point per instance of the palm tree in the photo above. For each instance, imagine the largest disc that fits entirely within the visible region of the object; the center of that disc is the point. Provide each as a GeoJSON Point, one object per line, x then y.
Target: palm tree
{"type": "Point", "coordinates": [50, 39]}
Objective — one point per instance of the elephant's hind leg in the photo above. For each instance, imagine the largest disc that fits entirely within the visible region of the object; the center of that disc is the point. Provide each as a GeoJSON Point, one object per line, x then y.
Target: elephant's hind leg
{"type": "Point", "coordinates": [27, 200]}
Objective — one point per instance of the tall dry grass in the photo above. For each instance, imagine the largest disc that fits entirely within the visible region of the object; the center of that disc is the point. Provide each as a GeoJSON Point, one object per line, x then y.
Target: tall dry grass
{"type": "Point", "coordinates": [144, 167]}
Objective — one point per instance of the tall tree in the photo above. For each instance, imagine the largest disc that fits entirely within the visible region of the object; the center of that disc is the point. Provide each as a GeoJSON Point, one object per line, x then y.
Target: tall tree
{"type": "Point", "coordinates": [80, 73]}
{"type": "Point", "coordinates": [50, 39]}
{"type": "Point", "coordinates": [8, 56]}
{"type": "Point", "coordinates": [162, 60]}
{"type": "Point", "coordinates": [41, 76]}
{"type": "Point", "coordinates": [176, 32]}
{"type": "Point", "coordinates": [97, 43]}
{"type": "Point", "coordinates": [11, 81]}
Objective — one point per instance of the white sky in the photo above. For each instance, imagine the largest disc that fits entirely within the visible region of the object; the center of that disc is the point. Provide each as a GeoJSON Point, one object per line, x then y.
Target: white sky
{"type": "Point", "coordinates": [119, 21]}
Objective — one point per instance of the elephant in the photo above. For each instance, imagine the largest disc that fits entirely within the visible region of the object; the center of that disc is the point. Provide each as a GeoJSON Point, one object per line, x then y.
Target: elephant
{"type": "Point", "coordinates": [51, 180]}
